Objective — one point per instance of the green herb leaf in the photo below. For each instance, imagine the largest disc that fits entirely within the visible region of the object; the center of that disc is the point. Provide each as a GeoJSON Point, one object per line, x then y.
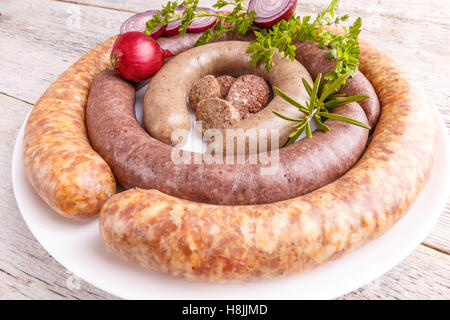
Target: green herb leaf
{"type": "Point", "coordinates": [285, 97]}
{"type": "Point", "coordinates": [331, 88]}
{"type": "Point", "coordinates": [327, 15]}
{"type": "Point", "coordinates": [307, 86]}
{"type": "Point", "coordinates": [285, 117]}
{"type": "Point", "coordinates": [320, 124]}
{"type": "Point", "coordinates": [313, 95]}
{"type": "Point", "coordinates": [296, 135]}
{"type": "Point", "coordinates": [204, 38]}
{"type": "Point", "coordinates": [340, 102]}
{"type": "Point", "coordinates": [343, 119]}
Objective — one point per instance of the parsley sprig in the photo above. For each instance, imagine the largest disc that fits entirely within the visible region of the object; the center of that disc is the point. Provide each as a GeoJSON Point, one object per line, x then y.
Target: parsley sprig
{"type": "Point", "coordinates": [282, 36]}
{"type": "Point", "coordinates": [322, 100]}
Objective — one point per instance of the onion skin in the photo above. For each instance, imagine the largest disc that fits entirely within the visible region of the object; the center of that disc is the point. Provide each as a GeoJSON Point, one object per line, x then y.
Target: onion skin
{"type": "Point", "coordinates": [137, 56]}
{"type": "Point", "coordinates": [268, 22]}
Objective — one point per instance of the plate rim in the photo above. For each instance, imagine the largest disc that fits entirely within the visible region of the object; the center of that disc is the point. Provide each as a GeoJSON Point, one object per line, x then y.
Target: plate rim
{"type": "Point", "coordinates": [362, 280]}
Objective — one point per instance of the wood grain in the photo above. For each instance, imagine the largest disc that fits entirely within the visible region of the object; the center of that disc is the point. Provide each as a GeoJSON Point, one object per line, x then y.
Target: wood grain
{"type": "Point", "coordinates": [35, 51]}
{"type": "Point", "coordinates": [130, 5]}
{"type": "Point", "coordinates": [40, 49]}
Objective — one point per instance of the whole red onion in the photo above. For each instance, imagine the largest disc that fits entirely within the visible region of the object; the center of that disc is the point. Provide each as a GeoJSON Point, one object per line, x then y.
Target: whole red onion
{"type": "Point", "coordinates": [137, 56]}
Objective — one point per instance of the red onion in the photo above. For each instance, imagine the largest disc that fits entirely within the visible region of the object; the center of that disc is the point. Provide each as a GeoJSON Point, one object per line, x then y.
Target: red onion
{"type": "Point", "coordinates": [172, 28]}
{"type": "Point", "coordinates": [138, 22]}
{"type": "Point", "coordinates": [202, 23]}
{"type": "Point", "coordinates": [137, 56]}
{"type": "Point", "coordinates": [269, 12]}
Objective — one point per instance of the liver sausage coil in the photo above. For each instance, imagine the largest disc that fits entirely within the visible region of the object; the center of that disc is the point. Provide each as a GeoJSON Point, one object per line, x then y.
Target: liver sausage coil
{"type": "Point", "coordinates": [239, 243]}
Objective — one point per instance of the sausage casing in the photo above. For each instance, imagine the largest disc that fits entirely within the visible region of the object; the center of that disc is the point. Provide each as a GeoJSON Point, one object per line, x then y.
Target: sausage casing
{"type": "Point", "coordinates": [58, 159]}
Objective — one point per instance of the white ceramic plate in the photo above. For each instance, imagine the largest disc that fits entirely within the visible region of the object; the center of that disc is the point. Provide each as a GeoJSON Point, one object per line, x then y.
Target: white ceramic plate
{"type": "Point", "coordinates": [78, 247]}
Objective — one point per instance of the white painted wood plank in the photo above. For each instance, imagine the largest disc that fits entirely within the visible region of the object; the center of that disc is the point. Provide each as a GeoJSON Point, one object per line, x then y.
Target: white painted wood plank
{"type": "Point", "coordinates": [412, 10]}
{"type": "Point", "coordinates": [36, 51]}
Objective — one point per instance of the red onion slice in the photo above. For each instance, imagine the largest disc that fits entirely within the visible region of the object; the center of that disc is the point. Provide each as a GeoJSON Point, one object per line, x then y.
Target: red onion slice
{"type": "Point", "coordinates": [138, 22]}
{"type": "Point", "coordinates": [202, 23]}
{"type": "Point", "coordinates": [172, 28]}
{"type": "Point", "coordinates": [269, 12]}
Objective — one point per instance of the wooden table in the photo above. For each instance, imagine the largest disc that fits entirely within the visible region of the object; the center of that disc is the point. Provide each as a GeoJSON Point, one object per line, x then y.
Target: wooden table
{"type": "Point", "coordinates": [39, 39]}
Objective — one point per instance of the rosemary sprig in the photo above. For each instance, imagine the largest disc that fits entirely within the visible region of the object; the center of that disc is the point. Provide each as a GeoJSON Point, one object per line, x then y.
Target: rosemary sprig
{"type": "Point", "coordinates": [322, 99]}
